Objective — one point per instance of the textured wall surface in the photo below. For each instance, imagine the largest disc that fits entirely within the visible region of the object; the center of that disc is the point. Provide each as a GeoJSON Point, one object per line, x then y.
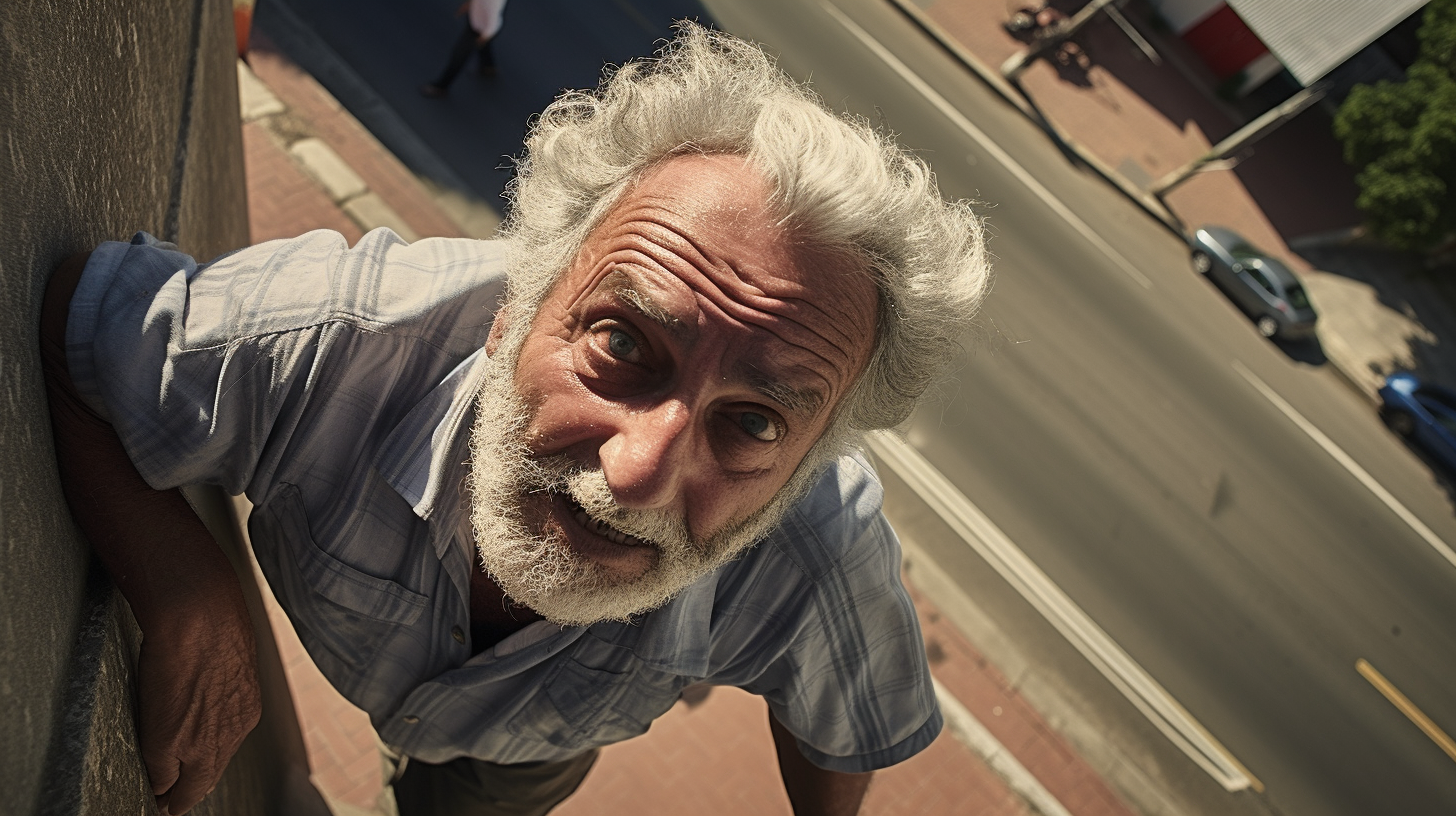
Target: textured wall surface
{"type": "Point", "coordinates": [114, 116]}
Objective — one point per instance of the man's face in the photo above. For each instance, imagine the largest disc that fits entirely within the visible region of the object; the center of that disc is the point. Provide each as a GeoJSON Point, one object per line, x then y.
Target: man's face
{"type": "Point", "coordinates": [665, 392]}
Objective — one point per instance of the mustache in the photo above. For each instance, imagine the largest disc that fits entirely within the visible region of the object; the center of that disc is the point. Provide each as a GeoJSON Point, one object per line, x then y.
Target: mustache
{"type": "Point", "coordinates": [588, 487]}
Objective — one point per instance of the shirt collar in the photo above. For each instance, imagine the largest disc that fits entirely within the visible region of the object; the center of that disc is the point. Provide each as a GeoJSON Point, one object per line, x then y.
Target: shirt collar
{"type": "Point", "coordinates": [425, 451]}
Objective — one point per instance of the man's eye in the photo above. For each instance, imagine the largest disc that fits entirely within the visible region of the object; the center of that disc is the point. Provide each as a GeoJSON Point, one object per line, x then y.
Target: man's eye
{"type": "Point", "coordinates": [621, 344]}
{"type": "Point", "coordinates": [758, 426]}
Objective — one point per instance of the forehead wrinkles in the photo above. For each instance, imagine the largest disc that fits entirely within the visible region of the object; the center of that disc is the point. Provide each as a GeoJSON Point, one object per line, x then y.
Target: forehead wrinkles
{"type": "Point", "coordinates": [825, 326]}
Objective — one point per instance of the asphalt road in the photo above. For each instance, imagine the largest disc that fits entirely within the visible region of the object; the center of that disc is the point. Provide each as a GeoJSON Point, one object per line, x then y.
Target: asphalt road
{"type": "Point", "coordinates": [1100, 419]}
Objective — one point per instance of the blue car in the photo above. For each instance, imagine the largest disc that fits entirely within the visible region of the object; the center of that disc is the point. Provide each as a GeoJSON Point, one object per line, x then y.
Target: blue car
{"type": "Point", "coordinates": [1422, 413]}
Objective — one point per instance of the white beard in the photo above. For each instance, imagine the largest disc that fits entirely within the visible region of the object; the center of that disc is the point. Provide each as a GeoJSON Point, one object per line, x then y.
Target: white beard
{"type": "Point", "coordinates": [537, 568]}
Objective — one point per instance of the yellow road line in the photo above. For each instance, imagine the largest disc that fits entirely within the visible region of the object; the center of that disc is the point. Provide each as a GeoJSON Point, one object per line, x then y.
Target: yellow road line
{"type": "Point", "coordinates": [1400, 701]}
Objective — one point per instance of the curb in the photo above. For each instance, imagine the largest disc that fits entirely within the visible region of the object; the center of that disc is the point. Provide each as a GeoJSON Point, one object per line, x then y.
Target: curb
{"type": "Point", "coordinates": [964, 726]}
{"type": "Point", "coordinates": [1119, 769]}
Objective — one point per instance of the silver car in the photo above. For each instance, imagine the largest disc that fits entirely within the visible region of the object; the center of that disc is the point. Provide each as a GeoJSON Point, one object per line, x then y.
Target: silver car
{"type": "Point", "coordinates": [1262, 287]}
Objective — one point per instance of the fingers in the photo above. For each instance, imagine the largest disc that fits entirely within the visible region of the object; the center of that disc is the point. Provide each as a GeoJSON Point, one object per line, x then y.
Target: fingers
{"type": "Point", "coordinates": [183, 771]}
{"type": "Point", "coordinates": [161, 770]}
{"type": "Point", "coordinates": [195, 708]}
{"type": "Point", "coordinates": [180, 784]}
{"type": "Point", "coordinates": [192, 785]}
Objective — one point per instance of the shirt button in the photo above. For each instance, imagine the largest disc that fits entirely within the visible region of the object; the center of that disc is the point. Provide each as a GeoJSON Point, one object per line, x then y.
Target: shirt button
{"type": "Point", "coordinates": [410, 719]}
{"type": "Point", "coordinates": [458, 634]}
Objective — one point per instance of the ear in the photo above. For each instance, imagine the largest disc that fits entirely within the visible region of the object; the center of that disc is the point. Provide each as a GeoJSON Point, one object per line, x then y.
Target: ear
{"type": "Point", "coordinates": [498, 329]}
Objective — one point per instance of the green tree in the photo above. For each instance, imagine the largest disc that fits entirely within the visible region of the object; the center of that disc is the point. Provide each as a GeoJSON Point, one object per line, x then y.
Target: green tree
{"type": "Point", "coordinates": [1401, 139]}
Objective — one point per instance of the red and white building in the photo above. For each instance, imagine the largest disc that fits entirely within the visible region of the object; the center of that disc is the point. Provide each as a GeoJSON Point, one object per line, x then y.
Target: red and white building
{"type": "Point", "coordinates": [1245, 42]}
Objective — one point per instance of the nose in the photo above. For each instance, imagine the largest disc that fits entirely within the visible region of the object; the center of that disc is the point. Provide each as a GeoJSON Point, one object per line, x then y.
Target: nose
{"type": "Point", "coordinates": [645, 459]}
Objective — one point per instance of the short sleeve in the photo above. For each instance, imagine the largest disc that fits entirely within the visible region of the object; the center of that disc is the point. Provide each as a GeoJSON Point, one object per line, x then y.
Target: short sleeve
{"type": "Point", "coordinates": [852, 684]}
{"type": "Point", "coordinates": [206, 370]}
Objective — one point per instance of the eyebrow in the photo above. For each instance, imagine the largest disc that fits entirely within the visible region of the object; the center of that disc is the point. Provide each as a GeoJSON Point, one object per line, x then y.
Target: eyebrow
{"type": "Point", "coordinates": [625, 288]}
{"type": "Point", "coordinates": [805, 400]}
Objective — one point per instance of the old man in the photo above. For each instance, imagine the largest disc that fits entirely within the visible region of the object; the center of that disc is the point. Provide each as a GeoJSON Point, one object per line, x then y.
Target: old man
{"type": "Point", "coordinates": [516, 495]}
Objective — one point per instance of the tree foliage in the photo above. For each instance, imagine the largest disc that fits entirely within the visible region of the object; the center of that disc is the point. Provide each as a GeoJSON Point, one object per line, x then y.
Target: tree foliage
{"type": "Point", "coordinates": [1401, 139]}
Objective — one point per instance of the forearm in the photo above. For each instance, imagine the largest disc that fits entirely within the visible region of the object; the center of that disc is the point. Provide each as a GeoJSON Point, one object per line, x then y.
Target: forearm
{"type": "Point", "coordinates": [158, 552]}
{"type": "Point", "coordinates": [197, 679]}
{"type": "Point", "coordinates": [814, 791]}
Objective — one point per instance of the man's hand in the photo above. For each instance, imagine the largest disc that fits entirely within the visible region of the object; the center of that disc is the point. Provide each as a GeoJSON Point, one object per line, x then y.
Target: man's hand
{"type": "Point", "coordinates": [197, 679]}
{"type": "Point", "coordinates": [197, 698]}
{"type": "Point", "coordinates": [812, 790]}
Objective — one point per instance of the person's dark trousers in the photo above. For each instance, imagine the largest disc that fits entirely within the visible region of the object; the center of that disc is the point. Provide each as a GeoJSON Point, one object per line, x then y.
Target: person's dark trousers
{"type": "Point", "coordinates": [465, 44]}
{"type": "Point", "coordinates": [473, 787]}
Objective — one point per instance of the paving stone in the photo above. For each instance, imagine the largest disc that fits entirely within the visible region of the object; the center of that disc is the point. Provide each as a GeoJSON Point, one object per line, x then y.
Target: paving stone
{"type": "Point", "coordinates": [321, 162]}
{"type": "Point", "coordinates": [370, 212]}
{"type": "Point", "coordinates": [255, 100]}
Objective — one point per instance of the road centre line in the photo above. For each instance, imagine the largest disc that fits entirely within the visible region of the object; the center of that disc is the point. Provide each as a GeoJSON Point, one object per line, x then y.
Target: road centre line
{"type": "Point", "coordinates": [959, 119]}
{"type": "Point", "coordinates": [1402, 702]}
{"type": "Point", "coordinates": [1349, 464]}
{"type": "Point", "coordinates": [992, 545]}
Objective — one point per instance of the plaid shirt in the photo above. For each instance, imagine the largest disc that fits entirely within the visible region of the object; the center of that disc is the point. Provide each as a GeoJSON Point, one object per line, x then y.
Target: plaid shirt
{"type": "Point", "coordinates": [334, 387]}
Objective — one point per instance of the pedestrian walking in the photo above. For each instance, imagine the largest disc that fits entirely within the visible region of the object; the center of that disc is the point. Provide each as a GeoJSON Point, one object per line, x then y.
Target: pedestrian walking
{"type": "Point", "coordinates": [483, 19]}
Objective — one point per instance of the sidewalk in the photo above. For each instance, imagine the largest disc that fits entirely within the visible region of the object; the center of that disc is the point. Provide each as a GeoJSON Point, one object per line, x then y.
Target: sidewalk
{"type": "Point", "coordinates": [1291, 194]}
{"type": "Point", "coordinates": [309, 166]}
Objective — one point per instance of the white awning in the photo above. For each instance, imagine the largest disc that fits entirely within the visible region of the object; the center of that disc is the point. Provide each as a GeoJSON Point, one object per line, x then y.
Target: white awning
{"type": "Point", "coordinates": [1311, 37]}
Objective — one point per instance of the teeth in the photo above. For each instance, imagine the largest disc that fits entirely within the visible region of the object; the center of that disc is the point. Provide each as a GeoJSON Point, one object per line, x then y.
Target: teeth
{"type": "Point", "coordinates": [603, 529]}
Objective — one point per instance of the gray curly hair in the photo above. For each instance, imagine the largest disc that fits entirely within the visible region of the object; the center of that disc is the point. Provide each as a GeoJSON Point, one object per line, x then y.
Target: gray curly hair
{"type": "Point", "coordinates": [838, 185]}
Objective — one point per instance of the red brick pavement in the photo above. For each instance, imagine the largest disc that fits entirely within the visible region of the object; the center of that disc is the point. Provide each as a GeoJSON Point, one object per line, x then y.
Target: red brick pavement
{"type": "Point", "coordinates": [981, 687]}
{"type": "Point", "coordinates": [716, 758]}
{"type": "Point", "coordinates": [314, 112]}
{"type": "Point", "coordinates": [283, 201]}
{"type": "Point", "coordinates": [713, 756]}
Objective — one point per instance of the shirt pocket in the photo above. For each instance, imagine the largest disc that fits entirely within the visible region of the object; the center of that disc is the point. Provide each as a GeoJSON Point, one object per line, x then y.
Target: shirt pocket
{"type": "Point", "coordinates": [342, 614]}
{"type": "Point", "coordinates": [580, 706]}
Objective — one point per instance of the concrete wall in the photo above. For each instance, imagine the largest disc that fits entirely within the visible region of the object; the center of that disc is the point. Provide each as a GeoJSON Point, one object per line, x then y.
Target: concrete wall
{"type": "Point", "coordinates": [114, 116]}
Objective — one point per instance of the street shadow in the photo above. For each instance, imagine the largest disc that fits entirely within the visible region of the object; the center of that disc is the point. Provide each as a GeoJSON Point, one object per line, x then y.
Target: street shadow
{"type": "Point", "coordinates": [1052, 131]}
{"type": "Point", "coordinates": [544, 47]}
{"type": "Point", "coordinates": [1296, 174]}
{"type": "Point", "coordinates": [1307, 350]}
{"type": "Point", "coordinates": [1444, 476]}
{"type": "Point", "coordinates": [1401, 282]}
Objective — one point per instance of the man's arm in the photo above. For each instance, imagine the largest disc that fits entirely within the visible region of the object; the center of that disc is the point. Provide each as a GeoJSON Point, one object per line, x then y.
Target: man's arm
{"type": "Point", "coordinates": [197, 680]}
{"type": "Point", "coordinates": [812, 790]}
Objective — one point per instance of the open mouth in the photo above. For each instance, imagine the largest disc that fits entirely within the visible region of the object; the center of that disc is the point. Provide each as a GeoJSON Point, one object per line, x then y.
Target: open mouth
{"type": "Point", "coordinates": [601, 528]}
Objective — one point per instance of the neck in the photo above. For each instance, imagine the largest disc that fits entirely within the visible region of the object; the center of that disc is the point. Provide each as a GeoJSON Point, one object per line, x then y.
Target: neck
{"type": "Point", "coordinates": [493, 615]}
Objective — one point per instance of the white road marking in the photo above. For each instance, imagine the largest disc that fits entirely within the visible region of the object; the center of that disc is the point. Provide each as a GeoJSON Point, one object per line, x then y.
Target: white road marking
{"type": "Point", "coordinates": [983, 536]}
{"type": "Point", "coordinates": [960, 121]}
{"type": "Point", "coordinates": [1349, 464]}
{"type": "Point", "coordinates": [964, 726]}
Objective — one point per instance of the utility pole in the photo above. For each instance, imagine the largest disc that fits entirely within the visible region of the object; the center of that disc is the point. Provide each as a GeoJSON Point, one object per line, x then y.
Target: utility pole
{"type": "Point", "coordinates": [1241, 138]}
